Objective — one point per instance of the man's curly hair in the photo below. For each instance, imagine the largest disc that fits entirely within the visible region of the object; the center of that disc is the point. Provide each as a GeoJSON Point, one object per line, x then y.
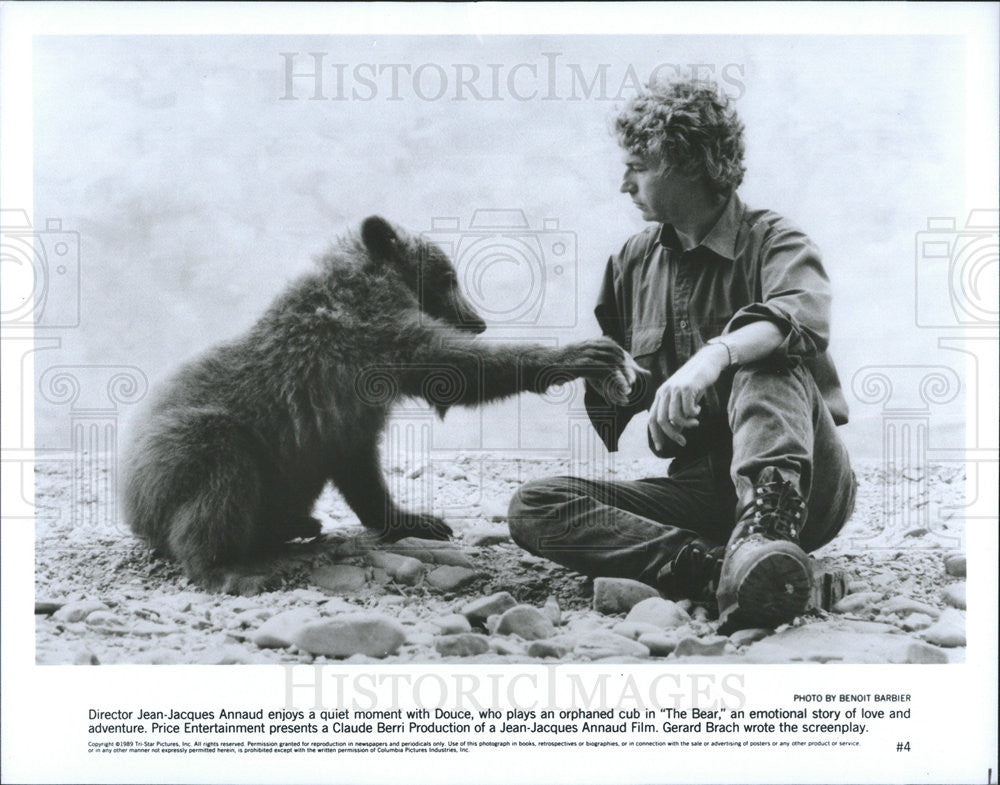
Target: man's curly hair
{"type": "Point", "coordinates": [689, 125]}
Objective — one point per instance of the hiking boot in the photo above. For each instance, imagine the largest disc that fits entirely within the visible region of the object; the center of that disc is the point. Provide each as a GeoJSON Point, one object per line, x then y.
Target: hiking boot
{"type": "Point", "coordinates": [766, 578]}
{"type": "Point", "coordinates": [693, 573]}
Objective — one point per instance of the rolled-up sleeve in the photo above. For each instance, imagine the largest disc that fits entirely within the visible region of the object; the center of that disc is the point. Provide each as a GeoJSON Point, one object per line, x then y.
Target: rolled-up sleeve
{"type": "Point", "coordinates": [795, 295]}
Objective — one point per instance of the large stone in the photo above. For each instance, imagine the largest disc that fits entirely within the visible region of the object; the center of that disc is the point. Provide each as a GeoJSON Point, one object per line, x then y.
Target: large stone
{"type": "Point", "coordinates": [954, 595]}
{"type": "Point", "coordinates": [352, 633]}
{"type": "Point", "coordinates": [748, 636]}
{"type": "Point", "coordinates": [603, 643]}
{"type": "Point", "coordinates": [906, 605]}
{"type": "Point", "coordinates": [78, 610]}
{"type": "Point", "coordinates": [548, 648]}
{"type": "Point", "coordinates": [452, 624]}
{"type": "Point", "coordinates": [340, 578]}
{"type": "Point", "coordinates": [403, 569]}
{"type": "Point", "coordinates": [948, 630]}
{"type": "Point", "coordinates": [479, 610]}
{"type": "Point", "coordinates": [634, 629]}
{"type": "Point", "coordinates": [659, 612]}
{"type": "Point", "coordinates": [552, 610]}
{"type": "Point", "coordinates": [46, 607]}
{"type": "Point", "coordinates": [277, 632]}
{"type": "Point", "coordinates": [525, 621]}
{"type": "Point", "coordinates": [923, 654]}
{"type": "Point", "coordinates": [619, 595]}
{"type": "Point", "coordinates": [916, 621]}
{"type": "Point", "coordinates": [954, 565]}
{"type": "Point", "coordinates": [450, 578]}
{"type": "Point", "coordinates": [856, 602]}
{"type": "Point", "coordinates": [463, 644]}
{"type": "Point", "coordinates": [105, 621]}
{"type": "Point", "coordinates": [711, 646]}
{"type": "Point", "coordinates": [831, 642]}
{"type": "Point", "coordinates": [430, 552]}
{"type": "Point", "coordinates": [659, 643]}
{"type": "Point", "coordinates": [483, 536]}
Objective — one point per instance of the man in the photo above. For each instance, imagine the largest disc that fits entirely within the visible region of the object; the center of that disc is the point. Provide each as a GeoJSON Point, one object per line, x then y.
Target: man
{"type": "Point", "coordinates": [728, 309]}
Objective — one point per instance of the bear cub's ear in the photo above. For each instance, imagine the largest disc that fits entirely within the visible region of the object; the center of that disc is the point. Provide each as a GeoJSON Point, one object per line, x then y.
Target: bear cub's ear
{"type": "Point", "coordinates": [379, 238]}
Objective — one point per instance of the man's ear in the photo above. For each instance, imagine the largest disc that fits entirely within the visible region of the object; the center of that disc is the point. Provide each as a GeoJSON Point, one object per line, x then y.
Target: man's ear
{"type": "Point", "coordinates": [379, 238]}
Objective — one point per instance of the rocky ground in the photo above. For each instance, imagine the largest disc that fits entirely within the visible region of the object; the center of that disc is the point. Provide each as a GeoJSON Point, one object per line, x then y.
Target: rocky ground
{"type": "Point", "coordinates": [100, 599]}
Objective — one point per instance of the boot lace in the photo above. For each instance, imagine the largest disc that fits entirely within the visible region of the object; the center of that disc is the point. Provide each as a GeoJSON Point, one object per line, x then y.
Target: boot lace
{"type": "Point", "coordinates": [779, 511]}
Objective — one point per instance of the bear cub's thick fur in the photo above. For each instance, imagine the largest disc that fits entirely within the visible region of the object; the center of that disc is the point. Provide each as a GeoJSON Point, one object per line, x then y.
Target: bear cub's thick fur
{"type": "Point", "coordinates": [236, 447]}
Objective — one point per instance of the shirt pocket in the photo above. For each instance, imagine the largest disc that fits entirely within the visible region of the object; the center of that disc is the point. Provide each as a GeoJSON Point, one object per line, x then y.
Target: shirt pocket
{"type": "Point", "coordinates": [646, 342]}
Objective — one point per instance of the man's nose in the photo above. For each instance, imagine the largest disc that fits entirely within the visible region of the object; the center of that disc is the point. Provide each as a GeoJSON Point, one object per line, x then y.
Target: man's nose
{"type": "Point", "coordinates": [627, 186]}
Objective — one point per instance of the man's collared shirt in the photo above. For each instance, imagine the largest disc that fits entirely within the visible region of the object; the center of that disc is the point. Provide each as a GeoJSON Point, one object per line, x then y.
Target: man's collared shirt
{"type": "Point", "coordinates": [663, 304]}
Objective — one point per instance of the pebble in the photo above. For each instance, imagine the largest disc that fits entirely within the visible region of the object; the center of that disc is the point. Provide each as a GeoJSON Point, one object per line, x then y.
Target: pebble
{"type": "Point", "coordinates": [954, 565]}
{"type": "Point", "coordinates": [954, 595]}
{"type": "Point", "coordinates": [552, 610]}
{"type": "Point", "coordinates": [105, 621]}
{"type": "Point", "coordinates": [452, 624]}
{"type": "Point", "coordinates": [856, 602]}
{"type": "Point", "coordinates": [659, 643]}
{"type": "Point", "coordinates": [619, 595]}
{"type": "Point", "coordinates": [479, 610]}
{"type": "Point", "coordinates": [416, 471]}
{"type": "Point", "coordinates": [507, 646]}
{"type": "Point", "coordinates": [748, 636]}
{"type": "Point", "coordinates": [85, 657]}
{"type": "Point", "coordinates": [701, 647]}
{"type": "Point", "coordinates": [252, 617]}
{"type": "Point", "coordinates": [335, 605]}
{"type": "Point", "coordinates": [403, 569]}
{"type": "Point", "coordinates": [450, 578]}
{"type": "Point", "coordinates": [603, 643]}
{"type": "Point", "coordinates": [548, 648]}
{"type": "Point", "coordinates": [659, 612]}
{"type": "Point", "coordinates": [46, 607]}
{"type": "Point", "coordinates": [634, 629]}
{"type": "Point", "coordinates": [340, 578]}
{"type": "Point", "coordinates": [525, 621]}
{"type": "Point", "coordinates": [277, 631]}
{"type": "Point", "coordinates": [78, 610]}
{"type": "Point", "coordinates": [391, 599]}
{"type": "Point", "coordinates": [923, 654]}
{"type": "Point", "coordinates": [463, 644]}
{"type": "Point", "coordinates": [903, 605]}
{"type": "Point", "coordinates": [437, 553]}
{"type": "Point", "coordinates": [419, 638]}
{"type": "Point", "coordinates": [948, 630]}
{"type": "Point", "coordinates": [351, 633]}
{"type": "Point", "coordinates": [916, 621]}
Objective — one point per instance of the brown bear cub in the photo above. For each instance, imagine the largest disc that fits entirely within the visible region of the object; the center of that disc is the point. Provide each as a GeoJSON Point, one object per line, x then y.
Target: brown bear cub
{"type": "Point", "coordinates": [238, 444]}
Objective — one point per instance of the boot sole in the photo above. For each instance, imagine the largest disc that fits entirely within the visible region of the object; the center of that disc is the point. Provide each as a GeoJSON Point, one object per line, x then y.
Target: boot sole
{"type": "Point", "coordinates": [773, 590]}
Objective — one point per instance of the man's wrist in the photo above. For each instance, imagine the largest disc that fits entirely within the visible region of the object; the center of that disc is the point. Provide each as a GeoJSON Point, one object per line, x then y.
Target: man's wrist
{"type": "Point", "coordinates": [724, 350]}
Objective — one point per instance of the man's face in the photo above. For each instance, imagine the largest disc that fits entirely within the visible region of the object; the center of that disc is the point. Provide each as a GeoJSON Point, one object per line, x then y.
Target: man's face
{"type": "Point", "coordinates": [657, 189]}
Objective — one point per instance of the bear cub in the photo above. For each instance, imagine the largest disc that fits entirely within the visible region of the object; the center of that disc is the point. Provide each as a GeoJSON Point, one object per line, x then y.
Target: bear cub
{"type": "Point", "coordinates": [235, 448]}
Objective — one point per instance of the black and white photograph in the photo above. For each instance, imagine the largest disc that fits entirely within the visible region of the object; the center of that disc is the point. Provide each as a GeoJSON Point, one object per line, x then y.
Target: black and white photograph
{"type": "Point", "coordinates": [536, 380]}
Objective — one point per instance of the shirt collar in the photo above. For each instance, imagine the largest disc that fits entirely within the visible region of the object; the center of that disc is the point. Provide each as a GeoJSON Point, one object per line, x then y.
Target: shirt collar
{"type": "Point", "coordinates": [721, 239]}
